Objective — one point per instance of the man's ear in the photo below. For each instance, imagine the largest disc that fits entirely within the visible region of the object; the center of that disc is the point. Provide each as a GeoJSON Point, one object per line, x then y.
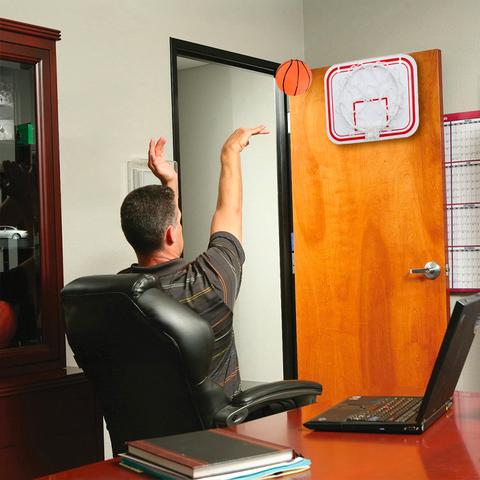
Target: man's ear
{"type": "Point", "coordinates": [169, 237]}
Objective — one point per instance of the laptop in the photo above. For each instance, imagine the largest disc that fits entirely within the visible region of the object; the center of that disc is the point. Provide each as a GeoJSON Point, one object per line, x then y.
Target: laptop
{"type": "Point", "coordinates": [411, 414]}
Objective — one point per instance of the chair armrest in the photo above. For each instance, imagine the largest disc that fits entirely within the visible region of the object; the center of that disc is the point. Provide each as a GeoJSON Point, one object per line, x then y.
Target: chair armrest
{"type": "Point", "coordinates": [276, 390]}
{"type": "Point", "coordinates": [283, 395]}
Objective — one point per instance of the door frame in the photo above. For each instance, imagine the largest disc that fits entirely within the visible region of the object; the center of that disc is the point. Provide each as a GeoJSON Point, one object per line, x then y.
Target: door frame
{"type": "Point", "coordinates": [181, 48]}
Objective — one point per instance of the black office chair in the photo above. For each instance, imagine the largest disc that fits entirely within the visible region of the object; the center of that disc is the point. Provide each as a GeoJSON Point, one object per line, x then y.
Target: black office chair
{"type": "Point", "coordinates": [148, 357]}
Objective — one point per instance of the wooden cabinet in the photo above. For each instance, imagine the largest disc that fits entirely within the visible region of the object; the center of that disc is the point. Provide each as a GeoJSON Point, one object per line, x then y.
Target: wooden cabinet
{"type": "Point", "coordinates": [48, 414]}
{"type": "Point", "coordinates": [50, 421]}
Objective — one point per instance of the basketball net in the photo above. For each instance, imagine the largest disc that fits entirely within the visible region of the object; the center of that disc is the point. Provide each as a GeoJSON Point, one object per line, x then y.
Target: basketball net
{"type": "Point", "coordinates": [370, 99]}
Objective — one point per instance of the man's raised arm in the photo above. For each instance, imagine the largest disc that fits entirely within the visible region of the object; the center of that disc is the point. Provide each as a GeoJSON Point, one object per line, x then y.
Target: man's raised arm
{"type": "Point", "coordinates": [228, 214]}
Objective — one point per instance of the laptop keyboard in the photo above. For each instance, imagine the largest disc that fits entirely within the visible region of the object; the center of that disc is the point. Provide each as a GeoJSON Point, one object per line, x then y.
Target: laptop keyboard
{"type": "Point", "coordinates": [393, 409]}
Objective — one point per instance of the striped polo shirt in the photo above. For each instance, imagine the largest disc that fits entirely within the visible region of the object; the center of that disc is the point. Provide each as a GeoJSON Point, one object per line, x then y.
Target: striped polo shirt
{"type": "Point", "coordinates": [209, 285]}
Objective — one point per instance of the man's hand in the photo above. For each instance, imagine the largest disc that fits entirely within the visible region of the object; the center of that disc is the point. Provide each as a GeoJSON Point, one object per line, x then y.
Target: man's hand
{"type": "Point", "coordinates": [240, 138]}
{"type": "Point", "coordinates": [157, 163]}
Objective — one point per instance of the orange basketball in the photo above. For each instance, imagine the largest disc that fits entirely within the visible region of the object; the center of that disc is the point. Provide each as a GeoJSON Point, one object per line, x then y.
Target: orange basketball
{"type": "Point", "coordinates": [293, 77]}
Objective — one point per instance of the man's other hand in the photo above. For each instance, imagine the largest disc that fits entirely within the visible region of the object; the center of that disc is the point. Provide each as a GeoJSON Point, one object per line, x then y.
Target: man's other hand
{"type": "Point", "coordinates": [162, 169]}
{"type": "Point", "coordinates": [240, 138]}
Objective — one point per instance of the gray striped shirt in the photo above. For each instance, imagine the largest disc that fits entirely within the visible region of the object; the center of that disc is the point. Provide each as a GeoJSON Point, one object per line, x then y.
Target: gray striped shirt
{"type": "Point", "coordinates": [209, 285]}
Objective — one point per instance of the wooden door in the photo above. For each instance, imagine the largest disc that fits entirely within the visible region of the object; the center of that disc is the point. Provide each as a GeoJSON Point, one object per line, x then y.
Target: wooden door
{"type": "Point", "coordinates": [363, 216]}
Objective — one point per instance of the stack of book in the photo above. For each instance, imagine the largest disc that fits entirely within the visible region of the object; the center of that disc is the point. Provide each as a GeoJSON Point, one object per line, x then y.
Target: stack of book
{"type": "Point", "coordinates": [212, 455]}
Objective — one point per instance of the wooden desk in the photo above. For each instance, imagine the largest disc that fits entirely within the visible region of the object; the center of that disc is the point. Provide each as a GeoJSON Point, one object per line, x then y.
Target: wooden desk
{"type": "Point", "coordinates": [450, 449]}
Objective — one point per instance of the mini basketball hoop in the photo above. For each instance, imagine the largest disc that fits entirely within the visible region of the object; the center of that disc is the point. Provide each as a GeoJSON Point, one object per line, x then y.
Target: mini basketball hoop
{"type": "Point", "coordinates": [374, 99]}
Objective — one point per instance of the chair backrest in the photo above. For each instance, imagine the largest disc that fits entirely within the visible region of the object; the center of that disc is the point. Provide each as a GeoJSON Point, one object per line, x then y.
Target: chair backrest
{"type": "Point", "coordinates": [146, 355]}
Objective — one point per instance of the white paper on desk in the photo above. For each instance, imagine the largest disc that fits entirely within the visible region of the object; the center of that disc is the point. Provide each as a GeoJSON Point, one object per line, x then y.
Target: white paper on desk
{"type": "Point", "coordinates": [263, 472]}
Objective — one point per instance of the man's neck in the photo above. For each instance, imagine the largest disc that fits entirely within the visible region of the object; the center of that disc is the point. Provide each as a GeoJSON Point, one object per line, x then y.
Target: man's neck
{"type": "Point", "coordinates": [155, 258]}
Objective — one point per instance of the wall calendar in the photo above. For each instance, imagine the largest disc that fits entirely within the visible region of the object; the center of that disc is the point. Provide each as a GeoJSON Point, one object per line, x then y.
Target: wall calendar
{"type": "Point", "coordinates": [462, 176]}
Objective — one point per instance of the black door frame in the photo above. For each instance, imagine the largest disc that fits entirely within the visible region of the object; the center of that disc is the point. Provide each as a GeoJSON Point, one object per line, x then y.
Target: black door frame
{"type": "Point", "coordinates": [181, 48]}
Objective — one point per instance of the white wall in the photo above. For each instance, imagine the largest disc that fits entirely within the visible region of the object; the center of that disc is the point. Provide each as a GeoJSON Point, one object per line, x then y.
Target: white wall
{"type": "Point", "coordinates": [205, 121]}
{"type": "Point", "coordinates": [213, 101]}
{"type": "Point", "coordinates": [341, 30]}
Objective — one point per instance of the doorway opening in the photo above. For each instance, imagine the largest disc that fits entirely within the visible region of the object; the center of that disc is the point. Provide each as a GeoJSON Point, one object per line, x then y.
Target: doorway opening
{"type": "Point", "coordinates": [213, 92]}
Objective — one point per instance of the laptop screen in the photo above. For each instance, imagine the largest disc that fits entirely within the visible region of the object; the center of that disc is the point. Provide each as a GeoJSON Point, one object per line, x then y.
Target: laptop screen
{"type": "Point", "coordinates": [451, 357]}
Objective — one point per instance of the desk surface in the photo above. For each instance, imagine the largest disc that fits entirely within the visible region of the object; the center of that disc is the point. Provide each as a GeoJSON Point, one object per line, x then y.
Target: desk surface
{"type": "Point", "coordinates": [449, 449]}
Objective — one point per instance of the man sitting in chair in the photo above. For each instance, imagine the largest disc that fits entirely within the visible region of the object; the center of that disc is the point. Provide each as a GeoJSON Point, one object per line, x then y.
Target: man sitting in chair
{"type": "Point", "coordinates": [209, 285]}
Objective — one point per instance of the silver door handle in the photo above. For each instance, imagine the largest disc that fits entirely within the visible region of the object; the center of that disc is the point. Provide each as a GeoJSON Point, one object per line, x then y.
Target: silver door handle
{"type": "Point", "coordinates": [431, 270]}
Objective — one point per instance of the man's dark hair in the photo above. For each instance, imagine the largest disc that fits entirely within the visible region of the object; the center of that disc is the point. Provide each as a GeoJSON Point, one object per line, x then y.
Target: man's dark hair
{"type": "Point", "coordinates": [145, 214]}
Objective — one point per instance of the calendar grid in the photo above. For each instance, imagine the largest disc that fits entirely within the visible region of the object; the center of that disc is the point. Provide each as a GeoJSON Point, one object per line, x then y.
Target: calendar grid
{"type": "Point", "coordinates": [462, 175]}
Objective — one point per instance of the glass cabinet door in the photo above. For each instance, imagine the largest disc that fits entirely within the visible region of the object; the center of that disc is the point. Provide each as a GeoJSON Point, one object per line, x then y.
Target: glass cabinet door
{"type": "Point", "coordinates": [31, 269]}
{"type": "Point", "coordinates": [20, 312]}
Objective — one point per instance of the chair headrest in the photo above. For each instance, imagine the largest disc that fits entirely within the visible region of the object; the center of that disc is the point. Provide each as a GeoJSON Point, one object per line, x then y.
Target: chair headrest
{"type": "Point", "coordinates": [130, 284]}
